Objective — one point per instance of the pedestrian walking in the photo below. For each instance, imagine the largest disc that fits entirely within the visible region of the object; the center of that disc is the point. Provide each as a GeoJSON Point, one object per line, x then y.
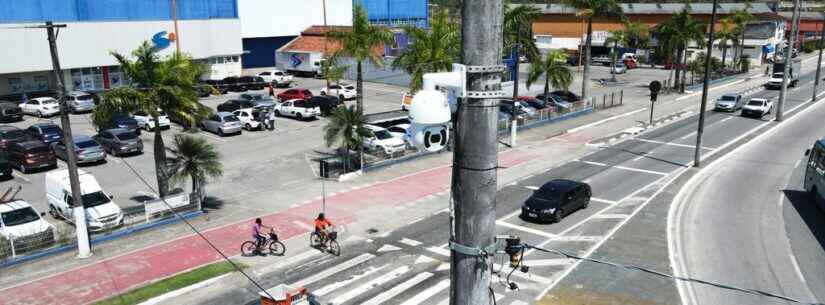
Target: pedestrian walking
{"type": "Point", "coordinates": [271, 91]}
{"type": "Point", "coordinates": [262, 118]}
{"type": "Point", "coordinates": [271, 117]}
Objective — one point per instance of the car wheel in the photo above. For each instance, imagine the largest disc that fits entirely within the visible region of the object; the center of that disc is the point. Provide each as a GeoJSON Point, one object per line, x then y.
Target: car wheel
{"type": "Point", "coordinates": [53, 212]}
{"type": "Point", "coordinates": [24, 169]}
{"type": "Point", "coordinates": [220, 132]}
{"type": "Point", "coordinates": [277, 113]}
{"type": "Point", "coordinates": [557, 216]}
{"type": "Point", "coordinates": [299, 116]}
{"type": "Point", "coordinates": [586, 203]}
{"type": "Point", "coordinates": [323, 93]}
{"type": "Point", "coordinates": [341, 97]}
{"type": "Point", "coordinates": [248, 127]}
{"type": "Point", "coordinates": [39, 114]}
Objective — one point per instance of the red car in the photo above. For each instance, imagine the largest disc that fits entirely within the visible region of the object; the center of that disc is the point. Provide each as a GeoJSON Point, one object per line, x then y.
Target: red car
{"type": "Point", "coordinates": [295, 93]}
{"type": "Point", "coordinates": [630, 63]}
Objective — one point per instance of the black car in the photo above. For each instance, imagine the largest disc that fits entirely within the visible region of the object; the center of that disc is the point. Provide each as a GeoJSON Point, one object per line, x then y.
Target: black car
{"type": "Point", "coordinates": [10, 134]}
{"type": "Point", "coordinates": [10, 112]}
{"type": "Point", "coordinates": [122, 120]}
{"type": "Point", "coordinates": [216, 85]}
{"type": "Point", "coordinates": [119, 141]}
{"type": "Point", "coordinates": [567, 96]}
{"type": "Point", "coordinates": [252, 82]}
{"type": "Point", "coordinates": [260, 100]}
{"type": "Point", "coordinates": [232, 105]}
{"type": "Point", "coordinates": [31, 154]}
{"type": "Point", "coordinates": [556, 199]}
{"type": "Point", "coordinates": [46, 132]}
{"type": "Point", "coordinates": [326, 103]}
{"type": "Point", "coordinates": [234, 84]}
{"type": "Point", "coordinates": [5, 166]}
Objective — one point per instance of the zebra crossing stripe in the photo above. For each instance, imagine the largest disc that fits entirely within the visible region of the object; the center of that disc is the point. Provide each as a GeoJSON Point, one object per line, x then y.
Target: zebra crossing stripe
{"type": "Point", "coordinates": [428, 293]}
{"type": "Point", "coordinates": [341, 299]}
{"type": "Point", "coordinates": [329, 288]}
{"type": "Point", "coordinates": [410, 242]}
{"type": "Point", "coordinates": [398, 289]}
{"type": "Point", "coordinates": [496, 296]}
{"type": "Point", "coordinates": [333, 270]}
{"type": "Point", "coordinates": [439, 251]}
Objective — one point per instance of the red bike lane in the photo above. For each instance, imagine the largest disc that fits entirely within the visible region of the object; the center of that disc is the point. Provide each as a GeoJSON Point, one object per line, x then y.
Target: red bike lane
{"type": "Point", "coordinates": [119, 274]}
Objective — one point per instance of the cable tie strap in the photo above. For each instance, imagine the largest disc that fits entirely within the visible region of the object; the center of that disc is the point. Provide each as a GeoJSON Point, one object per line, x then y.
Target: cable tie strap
{"type": "Point", "coordinates": [474, 251]}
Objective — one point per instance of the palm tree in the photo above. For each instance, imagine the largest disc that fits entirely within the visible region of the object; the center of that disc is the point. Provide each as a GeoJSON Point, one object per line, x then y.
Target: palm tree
{"type": "Point", "coordinates": [332, 70]}
{"type": "Point", "coordinates": [617, 37]}
{"type": "Point", "coordinates": [554, 69]}
{"type": "Point", "coordinates": [638, 34]}
{"type": "Point", "coordinates": [360, 43]}
{"type": "Point", "coordinates": [678, 33]}
{"type": "Point", "coordinates": [346, 130]}
{"type": "Point", "coordinates": [196, 159]}
{"type": "Point", "coordinates": [725, 35]}
{"type": "Point", "coordinates": [590, 9]}
{"type": "Point", "coordinates": [740, 18]}
{"type": "Point", "coordinates": [431, 50]}
{"type": "Point", "coordinates": [518, 28]}
{"type": "Point", "coordinates": [157, 85]}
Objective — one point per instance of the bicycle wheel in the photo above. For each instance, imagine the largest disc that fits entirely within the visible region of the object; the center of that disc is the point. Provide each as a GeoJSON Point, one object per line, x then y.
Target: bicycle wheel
{"type": "Point", "coordinates": [314, 240]}
{"type": "Point", "coordinates": [248, 248]}
{"type": "Point", "coordinates": [334, 248]}
{"type": "Point", "coordinates": [277, 248]}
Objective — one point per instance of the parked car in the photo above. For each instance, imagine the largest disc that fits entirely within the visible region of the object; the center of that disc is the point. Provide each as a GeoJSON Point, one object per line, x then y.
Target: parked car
{"type": "Point", "coordinates": [299, 109]}
{"type": "Point", "coordinates": [101, 211]}
{"type": "Point", "coordinates": [234, 84]}
{"type": "Point", "coordinates": [252, 82]}
{"type": "Point", "coordinates": [524, 107]}
{"type": "Point", "coordinates": [533, 102]}
{"type": "Point", "coordinates": [80, 101]}
{"type": "Point", "coordinates": [276, 77]}
{"type": "Point", "coordinates": [234, 104]}
{"type": "Point", "coordinates": [10, 112]}
{"type": "Point", "coordinates": [757, 107]}
{"type": "Point", "coordinates": [295, 93]}
{"type": "Point", "coordinates": [343, 92]}
{"type": "Point", "coordinates": [30, 154]}
{"type": "Point", "coordinates": [631, 63]}
{"type": "Point", "coordinates": [122, 120]}
{"type": "Point", "coordinates": [10, 134]}
{"type": "Point", "coordinates": [46, 132]}
{"type": "Point", "coordinates": [619, 68]}
{"type": "Point", "coordinates": [379, 140]}
{"type": "Point", "coordinates": [249, 118]}
{"type": "Point", "coordinates": [147, 122]}
{"type": "Point", "coordinates": [567, 96]}
{"type": "Point", "coordinates": [119, 141]}
{"type": "Point", "coordinates": [556, 101]}
{"type": "Point", "coordinates": [204, 89]}
{"type": "Point", "coordinates": [22, 223]}
{"type": "Point", "coordinates": [556, 199]}
{"type": "Point", "coordinates": [217, 85]}
{"type": "Point", "coordinates": [86, 149]}
{"type": "Point", "coordinates": [40, 107]}
{"type": "Point", "coordinates": [507, 109]}
{"type": "Point", "coordinates": [5, 166]}
{"type": "Point", "coordinates": [327, 104]}
{"type": "Point", "coordinates": [259, 100]}
{"type": "Point", "coordinates": [399, 131]}
{"type": "Point", "coordinates": [222, 123]}
{"type": "Point", "coordinates": [729, 102]}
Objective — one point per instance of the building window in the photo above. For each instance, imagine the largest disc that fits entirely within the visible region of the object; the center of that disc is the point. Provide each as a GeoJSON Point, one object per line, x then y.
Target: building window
{"type": "Point", "coordinates": [41, 83]}
{"type": "Point", "coordinates": [15, 85]}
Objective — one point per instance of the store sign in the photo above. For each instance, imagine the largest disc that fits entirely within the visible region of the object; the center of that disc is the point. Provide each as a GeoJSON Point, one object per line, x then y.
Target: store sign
{"type": "Point", "coordinates": [161, 40]}
{"type": "Point", "coordinates": [297, 59]}
{"type": "Point", "coordinates": [598, 37]}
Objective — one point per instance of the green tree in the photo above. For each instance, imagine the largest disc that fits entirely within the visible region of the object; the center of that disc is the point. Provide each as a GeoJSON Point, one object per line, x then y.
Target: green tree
{"type": "Point", "coordinates": [431, 50]}
{"type": "Point", "coordinates": [518, 29]}
{"type": "Point", "coordinates": [360, 43]}
{"type": "Point", "coordinates": [740, 18]}
{"type": "Point", "coordinates": [589, 9]}
{"type": "Point", "coordinates": [345, 130]}
{"type": "Point", "coordinates": [725, 35]}
{"type": "Point", "coordinates": [638, 34]}
{"type": "Point", "coordinates": [333, 70]}
{"type": "Point", "coordinates": [677, 33]}
{"type": "Point", "coordinates": [196, 159]}
{"type": "Point", "coordinates": [157, 85]}
{"type": "Point", "coordinates": [554, 69]}
{"type": "Point", "coordinates": [617, 37]}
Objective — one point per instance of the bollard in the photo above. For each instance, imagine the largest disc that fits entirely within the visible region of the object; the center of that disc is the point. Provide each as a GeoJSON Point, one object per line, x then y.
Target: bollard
{"type": "Point", "coordinates": [612, 97]}
{"type": "Point", "coordinates": [621, 97]}
{"type": "Point", "coordinates": [604, 101]}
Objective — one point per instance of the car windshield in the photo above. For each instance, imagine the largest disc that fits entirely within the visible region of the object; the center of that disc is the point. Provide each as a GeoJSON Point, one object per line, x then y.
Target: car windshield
{"type": "Point", "coordinates": [230, 118]}
{"type": "Point", "coordinates": [85, 97]}
{"type": "Point", "coordinates": [161, 113]}
{"type": "Point", "coordinates": [256, 97]}
{"type": "Point", "coordinates": [51, 129]}
{"type": "Point", "coordinates": [350, 87]}
{"type": "Point", "coordinates": [756, 103]}
{"type": "Point", "coordinates": [91, 200]}
{"type": "Point", "coordinates": [86, 144]}
{"type": "Point", "coordinates": [727, 98]}
{"type": "Point", "coordinates": [778, 75]}
{"type": "Point", "coordinates": [126, 136]}
{"type": "Point", "coordinates": [39, 150]}
{"type": "Point", "coordinates": [19, 217]}
{"type": "Point", "coordinates": [13, 134]}
{"type": "Point", "coordinates": [382, 134]}
{"type": "Point", "coordinates": [48, 102]}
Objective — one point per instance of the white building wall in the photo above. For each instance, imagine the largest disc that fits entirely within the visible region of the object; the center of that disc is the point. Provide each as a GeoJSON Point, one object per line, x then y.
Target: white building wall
{"type": "Point", "coordinates": [274, 18]}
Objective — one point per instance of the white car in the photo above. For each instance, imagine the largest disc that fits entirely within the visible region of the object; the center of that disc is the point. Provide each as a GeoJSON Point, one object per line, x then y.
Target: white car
{"type": "Point", "coordinates": [249, 118]}
{"type": "Point", "coordinates": [147, 122]}
{"type": "Point", "coordinates": [101, 212]}
{"type": "Point", "coordinates": [277, 77]}
{"type": "Point", "coordinates": [343, 92]}
{"type": "Point", "coordinates": [20, 221]}
{"type": "Point", "coordinates": [399, 131]}
{"type": "Point", "coordinates": [41, 107]}
{"type": "Point", "coordinates": [380, 140]}
{"type": "Point", "coordinates": [297, 108]}
{"type": "Point", "coordinates": [757, 107]}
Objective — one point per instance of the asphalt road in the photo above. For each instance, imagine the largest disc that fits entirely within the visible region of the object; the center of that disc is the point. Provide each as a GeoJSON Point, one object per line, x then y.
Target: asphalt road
{"type": "Point", "coordinates": [410, 265]}
{"type": "Point", "coordinates": [746, 221]}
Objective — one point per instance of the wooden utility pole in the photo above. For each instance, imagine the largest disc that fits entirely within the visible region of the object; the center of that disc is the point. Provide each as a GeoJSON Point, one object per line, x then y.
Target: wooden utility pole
{"type": "Point", "coordinates": [475, 160]}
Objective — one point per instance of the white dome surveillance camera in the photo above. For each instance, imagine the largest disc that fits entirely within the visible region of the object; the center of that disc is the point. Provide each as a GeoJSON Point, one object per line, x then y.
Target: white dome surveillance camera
{"type": "Point", "coordinates": [429, 120]}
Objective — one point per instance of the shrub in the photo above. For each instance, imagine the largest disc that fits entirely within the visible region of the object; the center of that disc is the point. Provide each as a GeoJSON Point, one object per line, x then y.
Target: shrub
{"type": "Point", "coordinates": [809, 47]}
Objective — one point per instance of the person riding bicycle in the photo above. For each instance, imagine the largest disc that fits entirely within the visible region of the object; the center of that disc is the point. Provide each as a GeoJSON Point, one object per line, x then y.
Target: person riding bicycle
{"type": "Point", "coordinates": [258, 234]}
{"type": "Point", "coordinates": [321, 226]}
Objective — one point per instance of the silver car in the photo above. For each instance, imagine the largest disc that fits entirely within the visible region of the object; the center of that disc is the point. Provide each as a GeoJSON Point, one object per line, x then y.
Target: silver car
{"type": "Point", "coordinates": [729, 102]}
{"type": "Point", "coordinates": [80, 101]}
{"type": "Point", "coordinates": [222, 123]}
{"type": "Point", "coordinates": [86, 148]}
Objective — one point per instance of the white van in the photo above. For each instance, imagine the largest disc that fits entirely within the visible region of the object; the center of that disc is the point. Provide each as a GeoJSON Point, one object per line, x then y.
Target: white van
{"type": "Point", "coordinates": [21, 222]}
{"type": "Point", "coordinates": [101, 212]}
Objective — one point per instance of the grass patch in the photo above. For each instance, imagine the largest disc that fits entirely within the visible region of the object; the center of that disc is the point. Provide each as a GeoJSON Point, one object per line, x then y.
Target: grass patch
{"type": "Point", "coordinates": [173, 283]}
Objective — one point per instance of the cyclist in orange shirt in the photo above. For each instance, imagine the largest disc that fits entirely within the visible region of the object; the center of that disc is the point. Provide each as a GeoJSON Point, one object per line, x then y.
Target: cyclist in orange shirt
{"type": "Point", "coordinates": [321, 226]}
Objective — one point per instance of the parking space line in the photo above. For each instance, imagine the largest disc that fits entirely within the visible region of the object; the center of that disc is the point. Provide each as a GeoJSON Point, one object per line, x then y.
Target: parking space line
{"type": "Point", "coordinates": [508, 216]}
{"type": "Point", "coordinates": [593, 163]}
{"type": "Point", "coordinates": [579, 238]}
{"type": "Point", "coordinates": [633, 169]}
{"type": "Point", "coordinates": [526, 229]}
{"type": "Point", "coordinates": [611, 216]}
{"type": "Point", "coordinates": [687, 135]}
{"type": "Point", "coordinates": [726, 119]}
{"type": "Point", "coordinates": [610, 202]}
{"type": "Point", "coordinates": [671, 143]}
{"type": "Point", "coordinates": [21, 176]}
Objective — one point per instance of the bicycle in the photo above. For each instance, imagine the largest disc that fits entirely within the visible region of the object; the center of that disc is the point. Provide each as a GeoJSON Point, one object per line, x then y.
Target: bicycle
{"type": "Point", "coordinates": [330, 244]}
{"type": "Point", "coordinates": [275, 246]}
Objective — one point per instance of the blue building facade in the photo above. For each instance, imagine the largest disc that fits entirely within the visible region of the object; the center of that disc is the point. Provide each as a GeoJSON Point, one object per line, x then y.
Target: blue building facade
{"type": "Point", "coordinates": [24, 11]}
{"type": "Point", "coordinates": [395, 13]}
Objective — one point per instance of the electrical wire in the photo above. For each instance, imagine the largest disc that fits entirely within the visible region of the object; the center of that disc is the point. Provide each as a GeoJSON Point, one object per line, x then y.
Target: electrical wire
{"type": "Point", "coordinates": [670, 276]}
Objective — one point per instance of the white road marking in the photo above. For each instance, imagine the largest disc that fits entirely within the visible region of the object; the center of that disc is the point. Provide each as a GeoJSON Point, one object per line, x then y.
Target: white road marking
{"type": "Point", "coordinates": [592, 163]}
{"type": "Point", "coordinates": [726, 119]}
{"type": "Point", "coordinates": [439, 251]}
{"type": "Point", "coordinates": [410, 242]}
{"type": "Point", "coordinates": [610, 202]}
{"type": "Point", "coordinates": [18, 175]}
{"type": "Point", "coordinates": [527, 276]}
{"type": "Point", "coordinates": [387, 277]}
{"type": "Point", "coordinates": [303, 225]}
{"type": "Point", "coordinates": [388, 248]}
{"type": "Point", "coordinates": [423, 259]}
{"type": "Point", "coordinates": [525, 229]}
{"type": "Point", "coordinates": [672, 144]}
{"type": "Point", "coordinates": [547, 262]}
{"type": "Point", "coordinates": [398, 289]}
{"type": "Point", "coordinates": [530, 187]}
{"type": "Point", "coordinates": [638, 158]}
{"type": "Point", "coordinates": [442, 267]}
{"type": "Point", "coordinates": [162, 299]}
{"type": "Point", "coordinates": [332, 287]}
{"type": "Point", "coordinates": [579, 238]}
{"type": "Point", "coordinates": [641, 170]}
{"type": "Point", "coordinates": [415, 220]}
{"type": "Point", "coordinates": [289, 261]}
{"type": "Point", "coordinates": [508, 216]}
{"type": "Point", "coordinates": [497, 296]}
{"type": "Point", "coordinates": [599, 122]}
{"type": "Point", "coordinates": [518, 302]}
{"type": "Point", "coordinates": [795, 165]}
{"type": "Point", "coordinates": [333, 270]}
{"type": "Point", "coordinates": [611, 216]}
{"type": "Point", "coordinates": [427, 293]}
{"type": "Point", "coordinates": [687, 135]}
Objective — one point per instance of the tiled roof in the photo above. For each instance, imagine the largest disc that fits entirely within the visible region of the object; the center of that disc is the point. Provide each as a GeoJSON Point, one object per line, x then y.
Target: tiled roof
{"type": "Point", "coordinates": [312, 39]}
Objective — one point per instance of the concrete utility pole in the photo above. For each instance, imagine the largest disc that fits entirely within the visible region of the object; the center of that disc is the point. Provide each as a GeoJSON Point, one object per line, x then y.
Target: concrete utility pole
{"type": "Point", "coordinates": [514, 115]}
{"type": "Point", "coordinates": [326, 51]}
{"type": "Point", "coordinates": [175, 20]}
{"type": "Point", "coordinates": [783, 92]}
{"type": "Point", "coordinates": [697, 154]}
{"type": "Point", "coordinates": [819, 61]}
{"type": "Point", "coordinates": [79, 210]}
{"type": "Point", "coordinates": [475, 161]}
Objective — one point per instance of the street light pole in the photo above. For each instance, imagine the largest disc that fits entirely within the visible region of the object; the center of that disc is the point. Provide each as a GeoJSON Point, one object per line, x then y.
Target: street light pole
{"type": "Point", "coordinates": [788, 58]}
{"type": "Point", "coordinates": [819, 61]}
{"type": "Point", "coordinates": [514, 115]}
{"type": "Point", "coordinates": [475, 159]}
{"type": "Point", "coordinates": [79, 210]}
{"type": "Point", "coordinates": [175, 20]}
{"type": "Point", "coordinates": [697, 155]}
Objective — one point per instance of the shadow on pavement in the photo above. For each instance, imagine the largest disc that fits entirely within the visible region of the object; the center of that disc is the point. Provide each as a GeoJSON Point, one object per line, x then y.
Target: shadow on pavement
{"type": "Point", "coordinates": [808, 211]}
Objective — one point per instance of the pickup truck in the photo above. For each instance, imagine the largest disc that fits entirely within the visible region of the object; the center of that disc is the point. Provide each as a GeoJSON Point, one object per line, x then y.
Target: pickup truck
{"type": "Point", "coordinates": [299, 109]}
{"type": "Point", "coordinates": [277, 77]}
